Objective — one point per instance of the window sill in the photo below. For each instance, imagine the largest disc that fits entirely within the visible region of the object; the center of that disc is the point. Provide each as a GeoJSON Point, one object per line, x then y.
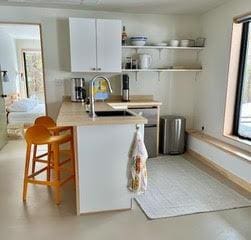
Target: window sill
{"type": "Point", "coordinates": [237, 139]}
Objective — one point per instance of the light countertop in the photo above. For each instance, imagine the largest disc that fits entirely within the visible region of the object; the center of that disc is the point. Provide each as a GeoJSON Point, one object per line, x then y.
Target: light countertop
{"type": "Point", "coordinates": [74, 114]}
{"type": "Point", "coordinates": [135, 101]}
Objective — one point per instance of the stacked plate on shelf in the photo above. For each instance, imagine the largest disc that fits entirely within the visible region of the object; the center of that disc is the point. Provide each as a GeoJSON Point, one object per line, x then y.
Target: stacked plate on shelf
{"type": "Point", "coordinates": [138, 40]}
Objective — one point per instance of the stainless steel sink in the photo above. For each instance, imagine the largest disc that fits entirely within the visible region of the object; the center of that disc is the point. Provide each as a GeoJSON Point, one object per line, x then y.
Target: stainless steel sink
{"type": "Point", "coordinates": [121, 113]}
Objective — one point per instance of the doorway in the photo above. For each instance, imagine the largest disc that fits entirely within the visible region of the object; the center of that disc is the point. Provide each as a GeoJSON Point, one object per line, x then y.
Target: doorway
{"type": "Point", "coordinates": [23, 85]}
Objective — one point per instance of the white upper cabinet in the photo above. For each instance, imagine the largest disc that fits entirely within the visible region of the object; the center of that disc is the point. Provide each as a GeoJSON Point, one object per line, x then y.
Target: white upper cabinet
{"type": "Point", "coordinates": [109, 45]}
{"type": "Point", "coordinates": [82, 44]}
{"type": "Point", "coordinates": [95, 45]}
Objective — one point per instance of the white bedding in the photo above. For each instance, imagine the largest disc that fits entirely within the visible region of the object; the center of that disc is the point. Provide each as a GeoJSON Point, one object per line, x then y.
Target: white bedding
{"type": "Point", "coordinates": [26, 117]}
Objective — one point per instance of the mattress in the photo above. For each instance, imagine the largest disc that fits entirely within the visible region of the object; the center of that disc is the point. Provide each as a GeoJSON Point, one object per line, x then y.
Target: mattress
{"type": "Point", "coordinates": [26, 117]}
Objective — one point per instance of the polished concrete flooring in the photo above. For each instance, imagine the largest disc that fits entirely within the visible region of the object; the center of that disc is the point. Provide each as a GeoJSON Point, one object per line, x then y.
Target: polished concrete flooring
{"type": "Point", "coordinates": [39, 218]}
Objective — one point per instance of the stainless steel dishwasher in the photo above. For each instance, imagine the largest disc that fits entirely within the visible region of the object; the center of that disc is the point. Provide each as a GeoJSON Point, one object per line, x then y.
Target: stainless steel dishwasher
{"type": "Point", "coordinates": [151, 130]}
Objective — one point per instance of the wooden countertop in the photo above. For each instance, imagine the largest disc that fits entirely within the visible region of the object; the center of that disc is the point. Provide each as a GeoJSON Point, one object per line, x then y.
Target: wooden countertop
{"type": "Point", "coordinates": [74, 114]}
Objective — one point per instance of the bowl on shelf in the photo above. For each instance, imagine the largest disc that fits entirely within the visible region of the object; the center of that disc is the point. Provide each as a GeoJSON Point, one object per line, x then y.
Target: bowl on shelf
{"type": "Point", "coordinates": [138, 40]}
{"type": "Point", "coordinates": [174, 43]}
{"type": "Point", "coordinates": [160, 44]}
{"type": "Point", "coordinates": [187, 43]}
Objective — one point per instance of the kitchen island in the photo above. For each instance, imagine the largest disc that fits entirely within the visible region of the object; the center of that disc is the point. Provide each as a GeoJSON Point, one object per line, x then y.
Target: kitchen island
{"type": "Point", "coordinates": [102, 147]}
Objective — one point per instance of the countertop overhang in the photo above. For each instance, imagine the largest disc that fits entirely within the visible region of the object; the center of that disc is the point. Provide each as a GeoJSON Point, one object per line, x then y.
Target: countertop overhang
{"type": "Point", "coordinates": [74, 114]}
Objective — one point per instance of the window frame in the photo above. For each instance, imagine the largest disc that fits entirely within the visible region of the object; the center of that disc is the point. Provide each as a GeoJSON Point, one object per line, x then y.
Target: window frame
{"type": "Point", "coordinates": [241, 70]}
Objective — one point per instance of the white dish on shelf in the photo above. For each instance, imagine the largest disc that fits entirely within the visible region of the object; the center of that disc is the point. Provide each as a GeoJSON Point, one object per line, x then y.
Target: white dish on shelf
{"type": "Point", "coordinates": [162, 44]}
{"type": "Point", "coordinates": [138, 43]}
{"type": "Point", "coordinates": [174, 43]}
{"type": "Point", "coordinates": [187, 43]}
{"type": "Point", "coordinates": [138, 40]}
{"type": "Point", "coordinates": [184, 43]}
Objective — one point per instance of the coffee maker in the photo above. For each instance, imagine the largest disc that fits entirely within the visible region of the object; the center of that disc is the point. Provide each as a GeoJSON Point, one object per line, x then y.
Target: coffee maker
{"type": "Point", "coordinates": [125, 89]}
{"type": "Point", "coordinates": [78, 92]}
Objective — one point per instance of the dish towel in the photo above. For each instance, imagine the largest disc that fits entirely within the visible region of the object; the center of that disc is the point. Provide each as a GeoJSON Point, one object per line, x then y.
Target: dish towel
{"type": "Point", "coordinates": [138, 172]}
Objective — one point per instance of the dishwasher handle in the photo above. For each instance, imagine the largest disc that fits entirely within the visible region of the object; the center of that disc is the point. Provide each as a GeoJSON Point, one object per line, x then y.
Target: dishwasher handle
{"type": "Point", "coordinates": [150, 125]}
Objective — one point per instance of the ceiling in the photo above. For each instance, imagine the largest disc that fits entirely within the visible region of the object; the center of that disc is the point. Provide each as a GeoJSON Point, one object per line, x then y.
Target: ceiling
{"type": "Point", "coordinates": [132, 6]}
{"type": "Point", "coordinates": [20, 31]}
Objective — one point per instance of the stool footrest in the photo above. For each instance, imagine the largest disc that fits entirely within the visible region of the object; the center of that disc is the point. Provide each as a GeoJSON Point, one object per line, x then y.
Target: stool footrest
{"type": "Point", "coordinates": [38, 172]}
{"type": "Point", "coordinates": [40, 182]}
{"type": "Point", "coordinates": [67, 179]}
{"type": "Point", "coordinates": [42, 155]}
{"type": "Point", "coordinates": [64, 162]}
{"type": "Point", "coordinates": [41, 161]}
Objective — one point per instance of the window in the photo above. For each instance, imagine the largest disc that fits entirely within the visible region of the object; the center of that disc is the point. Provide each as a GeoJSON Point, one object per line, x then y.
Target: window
{"type": "Point", "coordinates": [242, 116]}
{"type": "Point", "coordinates": [33, 70]}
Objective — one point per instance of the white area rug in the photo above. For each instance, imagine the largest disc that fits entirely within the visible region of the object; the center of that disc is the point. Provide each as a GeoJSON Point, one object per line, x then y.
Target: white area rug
{"type": "Point", "coordinates": [176, 187]}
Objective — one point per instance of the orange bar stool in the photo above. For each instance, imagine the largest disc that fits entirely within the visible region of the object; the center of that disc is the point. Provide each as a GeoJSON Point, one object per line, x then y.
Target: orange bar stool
{"type": "Point", "coordinates": [49, 123]}
{"type": "Point", "coordinates": [40, 135]}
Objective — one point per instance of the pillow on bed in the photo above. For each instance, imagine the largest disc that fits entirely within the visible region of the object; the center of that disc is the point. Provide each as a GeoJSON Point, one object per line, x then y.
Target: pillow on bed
{"type": "Point", "coordinates": [23, 105]}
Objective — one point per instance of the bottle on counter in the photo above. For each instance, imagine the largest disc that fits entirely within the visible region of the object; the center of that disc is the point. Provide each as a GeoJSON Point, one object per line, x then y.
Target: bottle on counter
{"type": "Point", "coordinates": [124, 36]}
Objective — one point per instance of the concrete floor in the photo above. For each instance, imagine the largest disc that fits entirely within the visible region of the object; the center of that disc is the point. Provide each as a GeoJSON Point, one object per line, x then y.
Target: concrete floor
{"type": "Point", "coordinates": [41, 219]}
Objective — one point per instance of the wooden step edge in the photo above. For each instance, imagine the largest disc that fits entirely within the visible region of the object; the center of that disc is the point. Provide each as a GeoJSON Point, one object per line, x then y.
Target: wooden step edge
{"type": "Point", "coordinates": [222, 171]}
{"type": "Point", "coordinates": [226, 147]}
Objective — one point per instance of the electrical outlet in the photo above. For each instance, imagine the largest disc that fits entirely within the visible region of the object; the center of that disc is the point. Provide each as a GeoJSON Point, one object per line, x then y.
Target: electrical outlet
{"type": "Point", "coordinates": [59, 82]}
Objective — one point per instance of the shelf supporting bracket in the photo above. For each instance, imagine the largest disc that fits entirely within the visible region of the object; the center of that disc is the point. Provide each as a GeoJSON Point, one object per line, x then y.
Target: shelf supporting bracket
{"type": "Point", "coordinates": [136, 76]}
{"type": "Point", "coordinates": [196, 76]}
{"type": "Point", "coordinates": [160, 50]}
{"type": "Point", "coordinates": [158, 76]}
{"type": "Point", "coordinates": [197, 56]}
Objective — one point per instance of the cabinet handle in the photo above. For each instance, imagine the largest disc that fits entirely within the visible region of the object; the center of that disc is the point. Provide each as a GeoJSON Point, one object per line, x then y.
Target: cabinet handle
{"type": "Point", "coordinates": [96, 69]}
{"type": "Point", "coordinates": [3, 96]}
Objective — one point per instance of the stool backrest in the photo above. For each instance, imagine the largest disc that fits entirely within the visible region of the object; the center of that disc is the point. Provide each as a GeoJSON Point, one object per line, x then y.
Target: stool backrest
{"type": "Point", "coordinates": [37, 134]}
{"type": "Point", "coordinates": [45, 121]}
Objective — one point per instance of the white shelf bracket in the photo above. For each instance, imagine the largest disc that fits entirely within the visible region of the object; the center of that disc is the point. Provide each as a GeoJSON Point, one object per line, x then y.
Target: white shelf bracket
{"type": "Point", "coordinates": [160, 50]}
{"type": "Point", "coordinates": [136, 76]}
{"type": "Point", "coordinates": [196, 76]}
{"type": "Point", "coordinates": [159, 76]}
{"type": "Point", "coordinates": [197, 56]}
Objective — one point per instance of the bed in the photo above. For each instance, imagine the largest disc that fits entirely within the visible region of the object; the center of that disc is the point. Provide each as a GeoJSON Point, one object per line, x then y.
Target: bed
{"type": "Point", "coordinates": [26, 118]}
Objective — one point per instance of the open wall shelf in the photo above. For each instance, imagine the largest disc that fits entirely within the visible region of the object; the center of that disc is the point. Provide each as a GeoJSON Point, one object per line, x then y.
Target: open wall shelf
{"type": "Point", "coordinates": [162, 70]}
{"type": "Point", "coordinates": [163, 47]}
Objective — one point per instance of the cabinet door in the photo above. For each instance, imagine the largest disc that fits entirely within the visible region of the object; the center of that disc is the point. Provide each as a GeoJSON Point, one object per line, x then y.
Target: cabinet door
{"type": "Point", "coordinates": [109, 45]}
{"type": "Point", "coordinates": [83, 44]}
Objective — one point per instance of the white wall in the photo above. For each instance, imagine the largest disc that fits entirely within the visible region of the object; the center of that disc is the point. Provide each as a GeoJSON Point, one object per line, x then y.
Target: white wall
{"type": "Point", "coordinates": [8, 61]}
{"type": "Point", "coordinates": [176, 91]}
{"type": "Point", "coordinates": [212, 85]}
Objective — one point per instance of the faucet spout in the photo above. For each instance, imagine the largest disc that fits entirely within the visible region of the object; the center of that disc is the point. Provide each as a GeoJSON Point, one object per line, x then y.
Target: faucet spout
{"type": "Point", "coordinates": [92, 107]}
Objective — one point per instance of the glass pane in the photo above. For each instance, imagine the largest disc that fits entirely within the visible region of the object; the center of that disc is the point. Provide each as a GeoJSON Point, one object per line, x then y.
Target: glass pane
{"type": "Point", "coordinates": [34, 69]}
{"type": "Point", "coordinates": [245, 113]}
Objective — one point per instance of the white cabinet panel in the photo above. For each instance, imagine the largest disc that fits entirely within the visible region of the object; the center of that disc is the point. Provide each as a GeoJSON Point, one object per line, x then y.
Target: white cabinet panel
{"type": "Point", "coordinates": [109, 45]}
{"type": "Point", "coordinates": [83, 44]}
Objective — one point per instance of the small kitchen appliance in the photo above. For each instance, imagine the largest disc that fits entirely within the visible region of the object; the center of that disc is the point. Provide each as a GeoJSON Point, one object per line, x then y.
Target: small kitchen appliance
{"type": "Point", "coordinates": [78, 92]}
{"type": "Point", "coordinates": [145, 61]}
{"type": "Point", "coordinates": [125, 89]}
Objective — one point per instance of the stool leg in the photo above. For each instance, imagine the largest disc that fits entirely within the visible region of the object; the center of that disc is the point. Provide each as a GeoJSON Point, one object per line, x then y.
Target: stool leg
{"type": "Point", "coordinates": [34, 158]}
{"type": "Point", "coordinates": [72, 155]}
{"type": "Point", "coordinates": [26, 171]}
{"type": "Point", "coordinates": [57, 173]}
{"type": "Point", "coordinates": [49, 163]}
